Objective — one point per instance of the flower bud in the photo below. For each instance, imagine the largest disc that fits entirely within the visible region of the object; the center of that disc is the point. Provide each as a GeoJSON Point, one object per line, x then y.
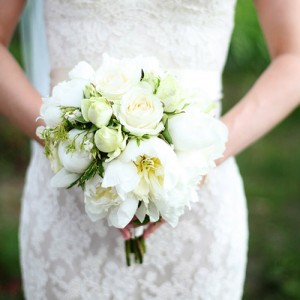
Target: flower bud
{"type": "Point", "coordinates": [96, 110]}
{"type": "Point", "coordinates": [108, 140]}
{"type": "Point", "coordinates": [170, 94]}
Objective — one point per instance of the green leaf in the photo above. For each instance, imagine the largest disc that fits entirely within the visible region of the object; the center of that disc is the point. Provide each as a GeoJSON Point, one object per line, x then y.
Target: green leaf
{"type": "Point", "coordinates": [100, 168]}
{"type": "Point", "coordinates": [137, 222]}
{"type": "Point", "coordinates": [96, 167]}
{"type": "Point", "coordinates": [166, 134]}
{"type": "Point", "coordinates": [81, 120]}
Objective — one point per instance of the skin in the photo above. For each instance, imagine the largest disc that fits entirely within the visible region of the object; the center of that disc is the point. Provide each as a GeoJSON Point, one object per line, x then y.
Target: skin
{"type": "Point", "coordinates": [274, 95]}
{"type": "Point", "coordinates": [19, 101]}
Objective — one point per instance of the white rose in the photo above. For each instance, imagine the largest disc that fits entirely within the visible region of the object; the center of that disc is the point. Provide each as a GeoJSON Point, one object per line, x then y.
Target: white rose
{"type": "Point", "coordinates": [116, 77]}
{"type": "Point", "coordinates": [82, 70]}
{"type": "Point", "coordinates": [96, 110]}
{"type": "Point", "coordinates": [69, 93]}
{"type": "Point", "coordinates": [109, 140]}
{"type": "Point", "coordinates": [140, 112]}
{"type": "Point", "coordinates": [105, 202]}
{"type": "Point", "coordinates": [171, 94]}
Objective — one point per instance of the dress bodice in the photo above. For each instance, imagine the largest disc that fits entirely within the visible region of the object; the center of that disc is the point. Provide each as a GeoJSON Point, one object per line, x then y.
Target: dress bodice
{"type": "Point", "coordinates": [189, 34]}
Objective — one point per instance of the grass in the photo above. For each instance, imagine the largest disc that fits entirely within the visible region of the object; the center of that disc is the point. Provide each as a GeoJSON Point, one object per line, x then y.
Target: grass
{"type": "Point", "coordinates": [270, 169]}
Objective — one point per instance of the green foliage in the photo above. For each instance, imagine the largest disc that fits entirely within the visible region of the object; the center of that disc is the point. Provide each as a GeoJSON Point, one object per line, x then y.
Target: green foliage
{"type": "Point", "coordinates": [165, 135]}
{"type": "Point", "coordinates": [247, 51]}
{"type": "Point", "coordinates": [95, 168]}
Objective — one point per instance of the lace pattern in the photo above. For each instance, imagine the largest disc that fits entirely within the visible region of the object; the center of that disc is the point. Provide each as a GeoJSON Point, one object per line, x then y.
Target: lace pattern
{"type": "Point", "coordinates": [64, 254]}
{"type": "Point", "coordinates": [184, 34]}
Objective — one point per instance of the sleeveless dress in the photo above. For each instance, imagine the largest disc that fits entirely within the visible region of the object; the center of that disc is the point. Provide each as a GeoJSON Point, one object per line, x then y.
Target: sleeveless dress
{"type": "Point", "coordinates": [66, 256]}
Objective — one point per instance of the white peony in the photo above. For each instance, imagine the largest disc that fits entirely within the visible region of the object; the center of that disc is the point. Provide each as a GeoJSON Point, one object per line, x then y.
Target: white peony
{"type": "Point", "coordinates": [199, 140]}
{"type": "Point", "coordinates": [51, 112]}
{"type": "Point", "coordinates": [69, 93]}
{"type": "Point", "coordinates": [82, 70]}
{"type": "Point", "coordinates": [194, 130]}
{"type": "Point", "coordinates": [140, 112]}
{"type": "Point", "coordinates": [105, 202]}
{"type": "Point", "coordinates": [150, 172]}
{"type": "Point", "coordinates": [74, 162]}
{"type": "Point", "coordinates": [196, 164]}
{"type": "Point", "coordinates": [116, 77]}
{"type": "Point", "coordinates": [66, 93]}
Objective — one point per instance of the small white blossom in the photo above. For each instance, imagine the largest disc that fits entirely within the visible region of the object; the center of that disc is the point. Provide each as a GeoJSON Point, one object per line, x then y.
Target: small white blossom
{"type": "Point", "coordinates": [88, 145]}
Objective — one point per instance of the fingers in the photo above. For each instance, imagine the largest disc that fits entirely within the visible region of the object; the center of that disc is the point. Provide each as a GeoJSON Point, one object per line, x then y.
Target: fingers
{"type": "Point", "coordinates": [125, 233]}
{"type": "Point", "coordinates": [151, 228]}
{"type": "Point", "coordinates": [202, 181]}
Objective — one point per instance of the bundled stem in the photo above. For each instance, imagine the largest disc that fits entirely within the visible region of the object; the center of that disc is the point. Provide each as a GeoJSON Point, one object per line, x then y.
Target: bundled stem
{"type": "Point", "coordinates": [135, 247]}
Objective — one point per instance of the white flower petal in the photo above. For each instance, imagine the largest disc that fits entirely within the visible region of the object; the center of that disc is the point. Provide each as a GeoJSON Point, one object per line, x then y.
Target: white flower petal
{"type": "Point", "coordinates": [155, 147]}
{"type": "Point", "coordinates": [115, 77]}
{"type": "Point", "coordinates": [63, 178]}
{"type": "Point", "coordinates": [82, 70]}
{"type": "Point", "coordinates": [121, 215]}
{"type": "Point", "coordinates": [194, 130]}
{"type": "Point", "coordinates": [52, 116]}
{"type": "Point", "coordinates": [140, 111]}
{"type": "Point", "coordinates": [141, 212]}
{"type": "Point", "coordinates": [153, 212]}
{"type": "Point", "coordinates": [118, 173]}
{"type": "Point", "coordinates": [69, 93]}
{"type": "Point", "coordinates": [79, 160]}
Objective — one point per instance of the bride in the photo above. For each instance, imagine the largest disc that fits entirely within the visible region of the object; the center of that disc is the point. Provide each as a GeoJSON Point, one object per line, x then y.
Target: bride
{"type": "Point", "coordinates": [63, 254]}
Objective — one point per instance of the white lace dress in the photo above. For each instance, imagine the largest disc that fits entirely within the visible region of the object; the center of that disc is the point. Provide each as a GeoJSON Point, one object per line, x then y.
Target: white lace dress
{"type": "Point", "coordinates": [66, 256]}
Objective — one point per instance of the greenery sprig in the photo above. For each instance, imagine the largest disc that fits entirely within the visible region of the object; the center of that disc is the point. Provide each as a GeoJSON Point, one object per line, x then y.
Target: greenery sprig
{"type": "Point", "coordinates": [95, 168]}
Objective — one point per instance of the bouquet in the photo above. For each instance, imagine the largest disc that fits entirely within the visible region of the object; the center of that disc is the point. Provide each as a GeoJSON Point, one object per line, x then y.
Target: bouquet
{"type": "Point", "coordinates": [133, 138]}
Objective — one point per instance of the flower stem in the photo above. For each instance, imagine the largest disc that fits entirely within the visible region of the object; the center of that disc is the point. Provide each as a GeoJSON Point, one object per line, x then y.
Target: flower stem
{"type": "Point", "coordinates": [135, 246]}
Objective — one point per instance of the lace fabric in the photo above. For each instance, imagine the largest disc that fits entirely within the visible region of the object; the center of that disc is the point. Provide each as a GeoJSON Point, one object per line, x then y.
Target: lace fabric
{"type": "Point", "coordinates": [181, 34]}
{"type": "Point", "coordinates": [64, 254]}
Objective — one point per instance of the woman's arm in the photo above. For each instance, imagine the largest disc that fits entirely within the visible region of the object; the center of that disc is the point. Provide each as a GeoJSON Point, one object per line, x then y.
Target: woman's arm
{"type": "Point", "coordinates": [19, 101]}
{"type": "Point", "coordinates": [277, 92]}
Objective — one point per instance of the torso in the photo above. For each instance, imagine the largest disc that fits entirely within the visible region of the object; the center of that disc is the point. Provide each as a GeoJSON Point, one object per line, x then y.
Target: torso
{"type": "Point", "coordinates": [185, 34]}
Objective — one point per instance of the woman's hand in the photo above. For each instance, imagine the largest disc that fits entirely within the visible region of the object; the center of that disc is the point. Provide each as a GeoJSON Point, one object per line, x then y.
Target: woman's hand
{"type": "Point", "coordinates": [148, 229]}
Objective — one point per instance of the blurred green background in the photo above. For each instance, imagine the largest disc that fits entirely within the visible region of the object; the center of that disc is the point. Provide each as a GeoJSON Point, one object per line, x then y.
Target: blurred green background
{"type": "Point", "coordinates": [270, 169]}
